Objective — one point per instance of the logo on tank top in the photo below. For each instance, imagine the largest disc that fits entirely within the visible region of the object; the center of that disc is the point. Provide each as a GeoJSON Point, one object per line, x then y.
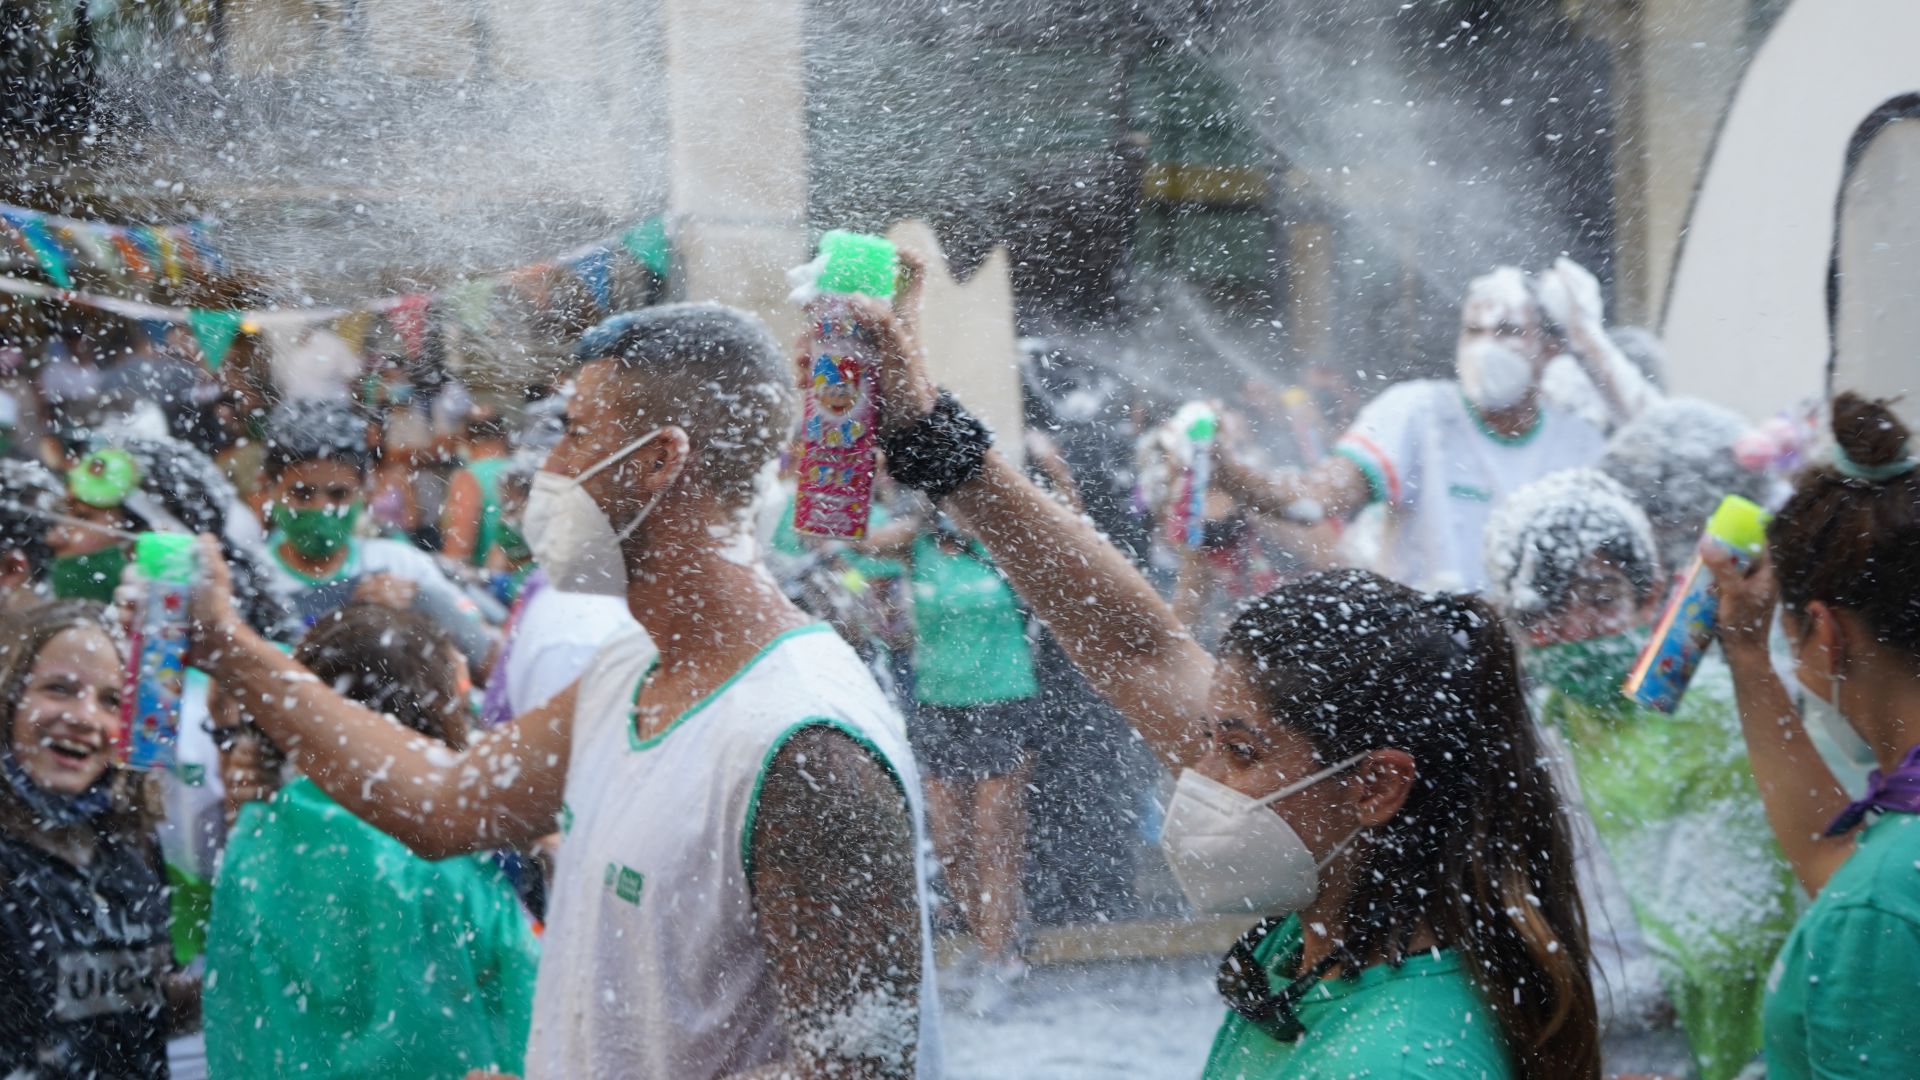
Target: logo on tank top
{"type": "Point", "coordinates": [625, 881]}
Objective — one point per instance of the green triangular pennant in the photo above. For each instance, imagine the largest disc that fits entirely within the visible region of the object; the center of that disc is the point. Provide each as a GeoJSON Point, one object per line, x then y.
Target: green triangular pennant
{"type": "Point", "coordinates": [648, 244]}
{"type": "Point", "coordinates": [471, 303]}
{"type": "Point", "coordinates": [214, 330]}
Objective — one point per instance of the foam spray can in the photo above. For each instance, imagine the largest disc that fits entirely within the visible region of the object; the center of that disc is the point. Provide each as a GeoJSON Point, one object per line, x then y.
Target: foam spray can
{"type": "Point", "coordinates": [1686, 626]}
{"type": "Point", "coordinates": [1195, 427]}
{"type": "Point", "coordinates": [840, 421]}
{"type": "Point", "coordinates": [165, 565]}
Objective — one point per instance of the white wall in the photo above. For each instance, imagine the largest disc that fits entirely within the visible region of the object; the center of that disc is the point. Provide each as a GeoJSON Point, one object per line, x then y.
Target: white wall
{"type": "Point", "coordinates": [1746, 322]}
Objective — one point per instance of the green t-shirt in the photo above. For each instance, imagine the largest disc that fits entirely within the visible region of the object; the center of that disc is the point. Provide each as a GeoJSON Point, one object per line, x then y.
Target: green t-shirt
{"type": "Point", "coordinates": [486, 473]}
{"type": "Point", "coordinates": [1674, 802]}
{"type": "Point", "coordinates": [1422, 1019]}
{"type": "Point", "coordinates": [336, 952]}
{"type": "Point", "coordinates": [970, 636]}
{"type": "Point", "coordinates": [1840, 999]}
{"type": "Point", "coordinates": [786, 541]}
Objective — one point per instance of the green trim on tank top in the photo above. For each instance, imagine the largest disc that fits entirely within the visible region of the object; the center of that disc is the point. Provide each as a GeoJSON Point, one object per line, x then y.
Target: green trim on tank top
{"type": "Point", "coordinates": [766, 762]}
{"type": "Point", "coordinates": [1525, 437]}
{"type": "Point", "coordinates": [634, 741]}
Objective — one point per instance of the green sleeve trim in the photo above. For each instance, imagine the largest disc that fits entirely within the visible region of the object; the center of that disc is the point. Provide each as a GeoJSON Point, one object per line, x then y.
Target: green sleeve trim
{"type": "Point", "coordinates": [766, 762]}
{"type": "Point", "coordinates": [1376, 484]}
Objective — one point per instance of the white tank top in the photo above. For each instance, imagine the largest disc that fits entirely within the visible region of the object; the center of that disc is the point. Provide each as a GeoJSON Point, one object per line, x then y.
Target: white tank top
{"type": "Point", "coordinates": [652, 964]}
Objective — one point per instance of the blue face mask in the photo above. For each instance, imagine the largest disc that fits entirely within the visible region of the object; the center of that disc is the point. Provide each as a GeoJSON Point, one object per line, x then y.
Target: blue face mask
{"type": "Point", "coordinates": [51, 808]}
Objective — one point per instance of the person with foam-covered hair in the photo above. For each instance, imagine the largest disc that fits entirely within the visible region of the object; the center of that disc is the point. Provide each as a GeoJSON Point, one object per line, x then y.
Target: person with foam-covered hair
{"type": "Point", "coordinates": [29, 491]}
{"type": "Point", "coordinates": [1677, 461]}
{"type": "Point", "coordinates": [739, 891]}
{"type": "Point", "coordinates": [1572, 561]}
{"type": "Point", "coordinates": [318, 455]}
{"type": "Point", "coordinates": [1441, 454]}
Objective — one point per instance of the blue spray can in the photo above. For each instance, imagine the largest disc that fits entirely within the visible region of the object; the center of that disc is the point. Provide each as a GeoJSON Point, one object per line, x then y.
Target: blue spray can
{"type": "Point", "coordinates": [1686, 626]}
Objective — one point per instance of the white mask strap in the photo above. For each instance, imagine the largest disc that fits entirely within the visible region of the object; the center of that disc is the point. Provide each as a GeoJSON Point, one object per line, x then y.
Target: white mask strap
{"type": "Point", "coordinates": [1302, 785]}
{"type": "Point", "coordinates": [601, 466]}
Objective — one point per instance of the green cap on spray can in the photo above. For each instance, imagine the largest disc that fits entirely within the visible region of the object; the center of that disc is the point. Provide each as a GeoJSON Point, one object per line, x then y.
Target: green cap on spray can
{"type": "Point", "coordinates": [858, 263]}
{"type": "Point", "coordinates": [1741, 524]}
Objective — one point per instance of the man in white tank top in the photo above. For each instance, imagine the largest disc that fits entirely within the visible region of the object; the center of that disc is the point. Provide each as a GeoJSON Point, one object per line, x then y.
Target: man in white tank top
{"type": "Point", "coordinates": [739, 892]}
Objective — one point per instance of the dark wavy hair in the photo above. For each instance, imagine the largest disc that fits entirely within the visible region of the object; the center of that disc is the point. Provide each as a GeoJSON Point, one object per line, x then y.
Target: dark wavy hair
{"type": "Point", "coordinates": [1480, 854]}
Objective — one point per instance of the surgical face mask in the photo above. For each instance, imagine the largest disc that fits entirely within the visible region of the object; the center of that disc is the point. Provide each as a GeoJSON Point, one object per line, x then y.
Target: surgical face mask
{"type": "Point", "coordinates": [1233, 855]}
{"type": "Point", "coordinates": [1492, 375]}
{"type": "Point", "coordinates": [1846, 754]}
{"type": "Point", "coordinates": [92, 576]}
{"type": "Point", "coordinates": [316, 533]}
{"type": "Point", "coordinates": [570, 535]}
{"type": "Point", "coordinates": [1591, 671]}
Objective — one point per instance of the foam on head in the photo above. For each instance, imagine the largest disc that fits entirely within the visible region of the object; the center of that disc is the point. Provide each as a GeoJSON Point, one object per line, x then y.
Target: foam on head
{"type": "Point", "coordinates": [1540, 537]}
{"type": "Point", "coordinates": [1501, 296]}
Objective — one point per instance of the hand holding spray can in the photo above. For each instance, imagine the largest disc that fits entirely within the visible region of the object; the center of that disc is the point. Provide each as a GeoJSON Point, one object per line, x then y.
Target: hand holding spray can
{"type": "Point", "coordinates": [1195, 428]}
{"type": "Point", "coordinates": [840, 421]}
{"type": "Point", "coordinates": [1686, 626]}
{"type": "Point", "coordinates": [164, 566]}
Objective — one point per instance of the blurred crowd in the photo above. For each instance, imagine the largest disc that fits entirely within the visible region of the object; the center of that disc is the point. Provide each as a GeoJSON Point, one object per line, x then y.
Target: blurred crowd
{"type": "Point", "coordinates": [232, 916]}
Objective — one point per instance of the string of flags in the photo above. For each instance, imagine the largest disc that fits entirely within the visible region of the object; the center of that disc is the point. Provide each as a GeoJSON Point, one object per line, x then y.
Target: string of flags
{"type": "Point", "coordinates": [179, 253]}
{"type": "Point", "coordinates": [147, 253]}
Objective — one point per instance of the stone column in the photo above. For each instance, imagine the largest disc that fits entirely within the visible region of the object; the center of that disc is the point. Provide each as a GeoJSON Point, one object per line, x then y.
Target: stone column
{"type": "Point", "coordinates": [737, 150]}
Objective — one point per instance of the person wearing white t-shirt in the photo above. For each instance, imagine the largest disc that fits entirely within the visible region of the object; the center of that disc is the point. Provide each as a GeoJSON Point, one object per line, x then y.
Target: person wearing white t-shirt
{"type": "Point", "coordinates": [739, 892]}
{"type": "Point", "coordinates": [1440, 454]}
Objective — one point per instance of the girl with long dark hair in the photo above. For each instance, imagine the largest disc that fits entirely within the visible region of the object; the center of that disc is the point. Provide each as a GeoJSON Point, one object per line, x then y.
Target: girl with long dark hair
{"type": "Point", "coordinates": [1358, 778]}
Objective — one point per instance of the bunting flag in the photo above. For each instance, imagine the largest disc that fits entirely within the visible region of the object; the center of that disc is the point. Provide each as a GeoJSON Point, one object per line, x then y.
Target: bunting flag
{"type": "Point", "coordinates": [36, 241]}
{"type": "Point", "coordinates": [408, 317]}
{"type": "Point", "coordinates": [204, 247]}
{"type": "Point", "coordinates": [353, 328]}
{"type": "Point", "coordinates": [595, 269]}
{"type": "Point", "coordinates": [130, 255]}
{"type": "Point", "coordinates": [648, 244]}
{"type": "Point", "coordinates": [215, 330]}
{"type": "Point", "coordinates": [95, 247]}
{"type": "Point", "coordinates": [149, 248]}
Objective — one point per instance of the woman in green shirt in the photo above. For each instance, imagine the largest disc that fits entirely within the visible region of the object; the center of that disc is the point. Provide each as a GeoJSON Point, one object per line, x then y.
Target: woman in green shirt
{"type": "Point", "coordinates": [974, 688]}
{"type": "Point", "coordinates": [1359, 780]}
{"type": "Point", "coordinates": [1843, 563]}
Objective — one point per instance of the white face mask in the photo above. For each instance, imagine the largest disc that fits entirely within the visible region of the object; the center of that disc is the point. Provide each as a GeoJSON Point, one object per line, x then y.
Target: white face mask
{"type": "Point", "coordinates": [1492, 374]}
{"type": "Point", "coordinates": [1845, 753]}
{"type": "Point", "coordinates": [1233, 855]}
{"type": "Point", "coordinates": [570, 535]}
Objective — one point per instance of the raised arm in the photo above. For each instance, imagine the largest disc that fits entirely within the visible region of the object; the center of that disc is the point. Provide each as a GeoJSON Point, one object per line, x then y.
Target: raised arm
{"type": "Point", "coordinates": [1104, 613]}
{"type": "Point", "coordinates": [460, 518]}
{"type": "Point", "coordinates": [832, 872]}
{"type": "Point", "coordinates": [1334, 488]}
{"type": "Point", "coordinates": [504, 789]}
{"type": "Point", "coordinates": [1799, 791]}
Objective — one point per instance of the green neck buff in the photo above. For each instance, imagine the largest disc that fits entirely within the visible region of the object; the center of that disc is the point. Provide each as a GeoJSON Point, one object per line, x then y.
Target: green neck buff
{"type": "Point", "coordinates": [1591, 671]}
{"type": "Point", "coordinates": [513, 544]}
{"type": "Point", "coordinates": [316, 534]}
{"type": "Point", "coordinates": [92, 576]}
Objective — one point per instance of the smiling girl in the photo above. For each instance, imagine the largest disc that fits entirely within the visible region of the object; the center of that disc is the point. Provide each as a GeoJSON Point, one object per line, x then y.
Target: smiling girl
{"type": "Point", "coordinates": [85, 959]}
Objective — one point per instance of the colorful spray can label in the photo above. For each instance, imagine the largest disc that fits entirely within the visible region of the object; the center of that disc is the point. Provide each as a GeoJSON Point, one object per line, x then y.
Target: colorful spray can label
{"type": "Point", "coordinates": [840, 422]}
{"type": "Point", "coordinates": [1195, 427]}
{"type": "Point", "coordinates": [165, 565]}
{"type": "Point", "coordinates": [1686, 626]}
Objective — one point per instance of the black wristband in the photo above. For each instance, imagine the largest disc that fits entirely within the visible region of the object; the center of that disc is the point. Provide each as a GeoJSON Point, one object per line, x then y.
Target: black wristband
{"type": "Point", "coordinates": [939, 452]}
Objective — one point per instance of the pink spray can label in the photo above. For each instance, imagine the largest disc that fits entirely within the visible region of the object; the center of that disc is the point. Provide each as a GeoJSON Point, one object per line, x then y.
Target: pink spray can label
{"type": "Point", "coordinates": [840, 424]}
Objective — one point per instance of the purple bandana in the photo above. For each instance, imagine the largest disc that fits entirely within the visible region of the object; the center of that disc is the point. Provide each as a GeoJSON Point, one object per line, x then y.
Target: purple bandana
{"type": "Point", "coordinates": [1898, 791]}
